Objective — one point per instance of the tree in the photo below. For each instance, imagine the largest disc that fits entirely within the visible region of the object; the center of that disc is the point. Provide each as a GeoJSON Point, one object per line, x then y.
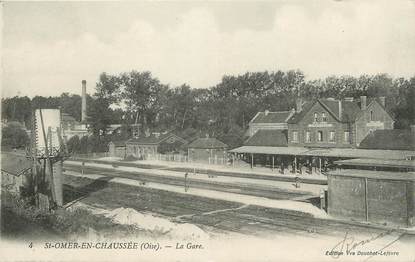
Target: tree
{"type": "Point", "coordinates": [14, 136]}
{"type": "Point", "coordinates": [99, 116]}
{"type": "Point", "coordinates": [405, 108]}
{"type": "Point", "coordinates": [74, 145]}
{"type": "Point", "coordinates": [141, 93]}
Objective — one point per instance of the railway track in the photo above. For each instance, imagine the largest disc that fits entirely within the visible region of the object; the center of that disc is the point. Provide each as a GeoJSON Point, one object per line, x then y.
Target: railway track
{"type": "Point", "coordinates": [304, 180]}
{"type": "Point", "coordinates": [254, 220]}
{"type": "Point", "coordinates": [253, 190]}
{"type": "Point", "coordinates": [233, 217]}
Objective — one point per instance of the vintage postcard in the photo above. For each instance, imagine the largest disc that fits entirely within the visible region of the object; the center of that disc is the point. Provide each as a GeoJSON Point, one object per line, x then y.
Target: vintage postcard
{"type": "Point", "coordinates": [208, 131]}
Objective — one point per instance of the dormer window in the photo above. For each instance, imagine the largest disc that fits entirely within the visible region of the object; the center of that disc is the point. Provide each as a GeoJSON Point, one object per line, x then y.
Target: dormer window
{"type": "Point", "coordinates": [371, 115]}
{"type": "Point", "coordinates": [324, 117]}
{"type": "Point", "coordinates": [315, 117]}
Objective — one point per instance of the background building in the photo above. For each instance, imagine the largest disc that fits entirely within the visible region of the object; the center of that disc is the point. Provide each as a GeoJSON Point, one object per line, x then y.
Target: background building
{"type": "Point", "coordinates": [385, 197]}
{"type": "Point", "coordinates": [117, 149]}
{"type": "Point", "coordinates": [151, 145]}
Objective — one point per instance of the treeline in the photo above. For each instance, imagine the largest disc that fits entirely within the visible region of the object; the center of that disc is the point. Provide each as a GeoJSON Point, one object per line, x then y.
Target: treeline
{"type": "Point", "coordinates": [222, 111]}
{"type": "Point", "coordinates": [231, 104]}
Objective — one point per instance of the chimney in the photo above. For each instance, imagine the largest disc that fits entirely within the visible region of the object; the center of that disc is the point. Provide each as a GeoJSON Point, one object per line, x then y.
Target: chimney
{"type": "Point", "coordinates": [340, 109]}
{"type": "Point", "coordinates": [83, 112]}
{"type": "Point", "coordinates": [382, 100]}
{"type": "Point", "coordinates": [299, 105]}
{"type": "Point", "coordinates": [363, 102]}
{"type": "Point", "coordinates": [266, 112]}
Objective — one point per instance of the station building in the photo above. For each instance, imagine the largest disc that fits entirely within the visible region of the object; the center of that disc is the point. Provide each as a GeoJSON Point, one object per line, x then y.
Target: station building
{"type": "Point", "coordinates": [317, 133]}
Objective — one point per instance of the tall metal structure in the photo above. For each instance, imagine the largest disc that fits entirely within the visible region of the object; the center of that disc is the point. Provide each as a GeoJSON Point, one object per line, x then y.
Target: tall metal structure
{"type": "Point", "coordinates": [47, 151]}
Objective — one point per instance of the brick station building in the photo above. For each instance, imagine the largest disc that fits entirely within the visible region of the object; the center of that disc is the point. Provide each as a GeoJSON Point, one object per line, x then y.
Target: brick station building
{"type": "Point", "coordinates": [316, 133]}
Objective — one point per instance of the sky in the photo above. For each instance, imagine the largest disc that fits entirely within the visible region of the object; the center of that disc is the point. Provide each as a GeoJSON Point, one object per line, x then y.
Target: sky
{"type": "Point", "coordinates": [50, 47]}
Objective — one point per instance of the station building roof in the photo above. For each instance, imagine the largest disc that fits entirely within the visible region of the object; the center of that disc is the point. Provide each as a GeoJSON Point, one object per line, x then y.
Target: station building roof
{"type": "Point", "coordinates": [394, 139]}
{"type": "Point", "coordinates": [268, 138]}
{"type": "Point", "coordinates": [272, 117]}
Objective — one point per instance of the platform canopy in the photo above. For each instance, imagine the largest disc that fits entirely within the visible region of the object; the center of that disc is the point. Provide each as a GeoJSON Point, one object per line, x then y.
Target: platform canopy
{"type": "Point", "coordinates": [382, 175]}
{"type": "Point", "coordinates": [326, 152]}
{"type": "Point", "coordinates": [270, 150]}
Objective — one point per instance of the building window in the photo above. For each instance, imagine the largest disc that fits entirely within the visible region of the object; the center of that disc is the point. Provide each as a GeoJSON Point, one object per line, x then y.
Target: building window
{"type": "Point", "coordinates": [307, 137]}
{"type": "Point", "coordinates": [315, 117]}
{"type": "Point", "coordinates": [324, 117]}
{"type": "Point", "coordinates": [371, 115]}
{"type": "Point", "coordinates": [346, 137]}
{"type": "Point", "coordinates": [319, 136]}
{"type": "Point", "coordinates": [332, 136]}
{"type": "Point", "coordinates": [295, 136]}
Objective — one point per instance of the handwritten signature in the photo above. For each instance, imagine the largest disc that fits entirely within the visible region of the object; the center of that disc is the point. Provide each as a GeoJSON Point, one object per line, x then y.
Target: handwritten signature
{"type": "Point", "coordinates": [348, 244]}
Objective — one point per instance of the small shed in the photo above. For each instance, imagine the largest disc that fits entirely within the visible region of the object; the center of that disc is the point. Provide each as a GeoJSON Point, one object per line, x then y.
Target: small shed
{"type": "Point", "coordinates": [15, 172]}
{"type": "Point", "coordinates": [117, 149]}
{"type": "Point", "coordinates": [207, 149]}
{"type": "Point", "coordinates": [373, 196]}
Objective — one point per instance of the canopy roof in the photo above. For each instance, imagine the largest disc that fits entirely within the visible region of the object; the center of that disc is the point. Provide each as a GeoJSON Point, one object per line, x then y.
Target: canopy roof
{"type": "Point", "coordinates": [383, 175]}
{"type": "Point", "coordinates": [377, 163]}
{"type": "Point", "coordinates": [326, 152]}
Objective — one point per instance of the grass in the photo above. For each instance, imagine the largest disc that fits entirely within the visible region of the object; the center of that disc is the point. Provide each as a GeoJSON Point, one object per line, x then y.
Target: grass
{"type": "Point", "coordinates": [21, 220]}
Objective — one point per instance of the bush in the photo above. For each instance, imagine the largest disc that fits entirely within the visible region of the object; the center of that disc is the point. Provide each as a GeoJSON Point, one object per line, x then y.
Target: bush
{"type": "Point", "coordinates": [65, 222]}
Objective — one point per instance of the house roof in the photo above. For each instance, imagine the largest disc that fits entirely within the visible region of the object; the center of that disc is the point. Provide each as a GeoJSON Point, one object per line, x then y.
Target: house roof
{"type": "Point", "coordinates": [153, 140]}
{"type": "Point", "coordinates": [392, 139]}
{"type": "Point", "coordinates": [208, 142]}
{"type": "Point", "coordinates": [268, 138]}
{"type": "Point", "coordinates": [14, 164]}
{"type": "Point", "coordinates": [118, 142]}
{"type": "Point", "coordinates": [350, 110]}
{"type": "Point", "coordinates": [271, 117]}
